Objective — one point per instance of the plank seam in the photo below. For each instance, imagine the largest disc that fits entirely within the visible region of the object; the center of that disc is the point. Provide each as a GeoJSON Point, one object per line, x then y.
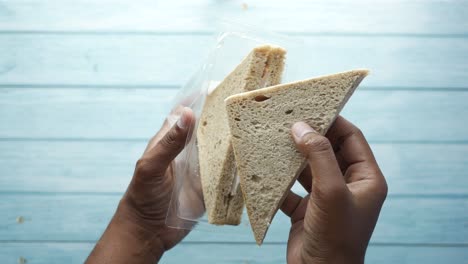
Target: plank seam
{"type": "Point", "coordinates": [91, 86]}
{"type": "Point", "coordinates": [450, 196]}
{"type": "Point", "coordinates": [377, 244]}
{"type": "Point", "coordinates": [177, 86]}
{"type": "Point", "coordinates": [90, 139]}
{"type": "Point", "coordinates": [212, 33]}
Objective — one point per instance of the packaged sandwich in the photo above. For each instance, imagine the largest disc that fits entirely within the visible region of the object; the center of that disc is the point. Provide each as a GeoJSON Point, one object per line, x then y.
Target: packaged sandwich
{"type": "Point", "coordinates": [240, 154]}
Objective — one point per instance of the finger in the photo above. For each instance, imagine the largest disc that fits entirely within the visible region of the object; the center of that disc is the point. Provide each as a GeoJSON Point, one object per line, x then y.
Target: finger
{"type": "Point", "coordinates": [341, 162]}
{"type": "Point", "coordinates": [157, 137]}
{"type": "Point", "coordinates": [321, 158]}
{"type": "Point", "coordinates": [157, 159]}
{"type": "Point", "coordinates": [170, 120]}
{"type": "Point", "coordinates": [342, 132]}
{"type": "Point", "coordinates": [352, 147]}
{"type": "Point", "coordinates": [305, 179]}
{"type": "Point", "coordinates": [173, 116]}
{"type": "Point", "coordinates": [290, 203]}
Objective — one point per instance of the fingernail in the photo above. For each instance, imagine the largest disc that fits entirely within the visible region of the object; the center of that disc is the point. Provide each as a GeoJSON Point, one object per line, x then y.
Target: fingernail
{"type": "Point", "coordinates": [300, 129]}
{"type": "Point", "coordinates": [183, 119]}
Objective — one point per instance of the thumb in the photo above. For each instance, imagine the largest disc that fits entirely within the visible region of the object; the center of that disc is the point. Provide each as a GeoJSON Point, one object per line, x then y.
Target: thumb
{"type": "Point", "coordinates": [327, 179]}
{"type": "Point", "coordinates": [156, 160]}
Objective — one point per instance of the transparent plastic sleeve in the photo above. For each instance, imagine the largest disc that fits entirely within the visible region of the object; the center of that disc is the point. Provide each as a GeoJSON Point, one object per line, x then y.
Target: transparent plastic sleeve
{"type": "Point", "coordinates": [233, 43]}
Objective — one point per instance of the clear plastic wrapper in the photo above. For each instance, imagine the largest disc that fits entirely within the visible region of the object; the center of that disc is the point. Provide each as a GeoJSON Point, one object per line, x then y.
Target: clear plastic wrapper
{"type": "Point", "coordinates": [233, 43]}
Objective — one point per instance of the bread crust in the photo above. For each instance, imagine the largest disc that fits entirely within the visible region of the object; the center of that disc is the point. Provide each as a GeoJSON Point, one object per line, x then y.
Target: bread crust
{"type": "Point", "coordinates": [268, 162]}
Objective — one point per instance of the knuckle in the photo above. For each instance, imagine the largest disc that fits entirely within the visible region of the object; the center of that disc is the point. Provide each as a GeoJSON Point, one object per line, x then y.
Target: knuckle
{"type": "Point", "coordinates": [332, 194]}
{"type": "Point", "coordinates": [148, 170]}
{"type": "Point", "coordinates": [144, 168]}
{"type": "Point", "coordinates": [317, 143]}
{"type": "Point", "coordinates": [351, 131]}
{"type": "Point", "coordinates": [380, 189]}
{"type": "Point", "coordinates": [356, 131]}
{"type": "Point", "coordinates": [170, 140]}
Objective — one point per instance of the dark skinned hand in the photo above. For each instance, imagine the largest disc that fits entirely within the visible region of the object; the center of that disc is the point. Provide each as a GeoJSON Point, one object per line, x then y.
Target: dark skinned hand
{"type": "Point", "coordinates": [138, 233]}
{"type": "Point", "coordinates": [334, 223]}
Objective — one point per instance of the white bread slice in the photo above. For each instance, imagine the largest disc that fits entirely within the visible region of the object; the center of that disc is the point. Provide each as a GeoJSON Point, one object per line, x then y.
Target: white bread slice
{"type": "Point", "coordinates": [223, 200]}
{"type": "Point", "coordinates": [268, 162]}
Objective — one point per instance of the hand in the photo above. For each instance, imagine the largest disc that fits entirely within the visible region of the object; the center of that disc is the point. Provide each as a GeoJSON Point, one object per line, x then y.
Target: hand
{"type": "Point", "coordinates": [334, 223]}
{"type": "Point", "coordinates": [137, 232]}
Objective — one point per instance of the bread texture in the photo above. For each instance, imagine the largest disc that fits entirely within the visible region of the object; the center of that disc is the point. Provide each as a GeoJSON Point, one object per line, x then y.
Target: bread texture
{"type": "Point", "coordinates": [223, 200]}
{"type": "Point", "coordinates": [268, 162]}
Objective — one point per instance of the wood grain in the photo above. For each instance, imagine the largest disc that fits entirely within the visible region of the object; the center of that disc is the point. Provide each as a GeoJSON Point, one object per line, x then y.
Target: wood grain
{"type": "Point", "coordinates": [84, 83]}
{"type": "Point", "coordinates": [389, 116]}
{"type": "Point", "coordinates": [74, 253]}
{"type": "Point", "coordinates": [107, 166]}
{"type": "Point", "coordinates": [155, 60]}
{"type": "Point", "coordinates": [82, 217]}
{"type": "Point", "coordinates": [362, 17]}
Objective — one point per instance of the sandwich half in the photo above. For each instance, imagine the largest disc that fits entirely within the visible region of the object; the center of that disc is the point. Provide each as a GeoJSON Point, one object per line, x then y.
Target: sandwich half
{"type": "Point", "coordinates": [223, 199]}
{"type": "Point", "coordinates": [268, 162]}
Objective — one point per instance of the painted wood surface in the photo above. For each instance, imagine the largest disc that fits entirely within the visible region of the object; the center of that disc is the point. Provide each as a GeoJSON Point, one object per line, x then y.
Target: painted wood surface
{"type": "Point", "coordinates": [79, 166]}
{"type": "Point", "coordinates": [413, 17]}
{"type": "Point", "coordinates": [155, 60]}
{"type": "Point", "coordinates": [83, 84]}
{"type": "Point", "coordinates": [397, 115]}
{"type": "Point", "coordinates": [75, 252]}
{"type": "Point", "coordinates": [82, 217]}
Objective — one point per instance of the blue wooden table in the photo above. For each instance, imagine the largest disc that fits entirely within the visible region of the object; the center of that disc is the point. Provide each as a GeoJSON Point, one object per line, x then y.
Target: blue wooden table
{"type": "Point", "coordinates": [84, 84]}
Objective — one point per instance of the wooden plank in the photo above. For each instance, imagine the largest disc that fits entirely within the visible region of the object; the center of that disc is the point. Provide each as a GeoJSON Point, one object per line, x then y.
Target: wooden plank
{"type": "Point", "coordinates": [45, 253]}
{"type": "Point", "coordinates": [152, 60]}
{"type": "Point", "coordinates": [91, 113]}
{"type": "Point", "coordinates": [103, 166]}
{"type": "Point", "coordinates": [82, 217]}
{"type": "Point", "coordinates": [134, 60]}
{"type": "Point", "coordinates": [403, 16]}
{"type": "Point", "coordinates": [277, 254]}
{"type": "Point", "coordinates": [66, 166]}
{"type": "Point", "coordinates": [404, 254]}
{"type": "Point", "coordinates": [51, 253]}
{"type": "Point", "coordinates": [138, 113]}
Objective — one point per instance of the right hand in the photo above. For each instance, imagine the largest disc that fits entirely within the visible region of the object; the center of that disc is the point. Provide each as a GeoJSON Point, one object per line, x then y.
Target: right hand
{"type": "Point", "coordinates": [334, 223]}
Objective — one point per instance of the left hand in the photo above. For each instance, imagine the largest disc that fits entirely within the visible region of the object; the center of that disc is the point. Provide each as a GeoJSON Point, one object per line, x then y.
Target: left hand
{"type": "Point", "coordinates": [137, 232]}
